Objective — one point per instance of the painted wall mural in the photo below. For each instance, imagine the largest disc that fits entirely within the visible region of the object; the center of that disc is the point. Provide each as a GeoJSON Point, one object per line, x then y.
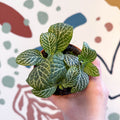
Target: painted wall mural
{"type": "Point", "coordinates": [9, 21]}
{"type": "Point", "coordinates": [21, 23]}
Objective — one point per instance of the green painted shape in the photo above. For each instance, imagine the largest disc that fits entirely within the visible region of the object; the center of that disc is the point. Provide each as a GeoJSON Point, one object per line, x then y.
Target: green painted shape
{"type": "Point", "coordinates": [12, 62]}
{"type": "Point", "coordinates": [58, 8]}
{"type": "Point", "coordinates": [6, 27]}
{"type": "Point", "coordinates": [46, 2]}
{"type": "Point", "coordinates": [16, 50]}
{"type": "Point", "coordinates": [114, 116]}
{"type": "Point", "coordinates": [7, 44]}
{"type": "Point", "coordinates": [29, 4]}
{"type": "Point", "coordinates": [26, 22]}
{"type": "Point", "coordinates": [2, 101]}
{"type": "Point", "coordinates": [16, 73]}
{"type": "Point", "coordinates": [42, 17]}
{"type": "Point", "coordinates": [8, 81]}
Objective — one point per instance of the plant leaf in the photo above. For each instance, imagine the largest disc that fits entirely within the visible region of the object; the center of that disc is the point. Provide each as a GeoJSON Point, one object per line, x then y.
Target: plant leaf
{"type": "Point", "coordinates": [39, 76]}
{"type": "Point", "coordinates": [61, 87]}
{"type": "Point", "coordinates": [82, 81]}
{"type": "Point", "coordinates": [63, 33]}
{"type": "Point", "coordinates": [58, 68]}
{"type": "Point", "coordinates": [45, 93]}
{"type": "Point", "coordinates": [59, 55]}
{"type": "Point", "coordinates": [87, 54]}
{"type": "Point", "coordinates": [29, 57]}
{"type": "Point", "coordinates": [70, 77]}
{"type": "Point", "coordinates": [71, 60]}
{"type": "Point", "coordinates": [91, 70]}
{"type": "Point", "coordinates": [48, 42]}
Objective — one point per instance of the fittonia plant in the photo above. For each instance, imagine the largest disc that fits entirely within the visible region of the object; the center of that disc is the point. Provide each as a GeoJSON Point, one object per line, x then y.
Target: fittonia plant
{"type": "Point", "coordinates": [58, 69]}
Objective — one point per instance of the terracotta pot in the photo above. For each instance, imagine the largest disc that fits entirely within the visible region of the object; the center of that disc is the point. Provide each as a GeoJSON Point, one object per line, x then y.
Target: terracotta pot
{"type": "Point", "coordinates": [70, 49]}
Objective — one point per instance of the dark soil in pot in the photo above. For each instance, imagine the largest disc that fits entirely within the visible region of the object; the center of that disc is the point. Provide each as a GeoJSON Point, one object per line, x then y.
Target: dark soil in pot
{"type": "Point", "coordinates": [71, 49]}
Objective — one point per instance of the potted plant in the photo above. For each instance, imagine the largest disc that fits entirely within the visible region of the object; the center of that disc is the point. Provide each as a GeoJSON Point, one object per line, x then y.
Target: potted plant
{"type": "Point", "coordinates": [60, 68]}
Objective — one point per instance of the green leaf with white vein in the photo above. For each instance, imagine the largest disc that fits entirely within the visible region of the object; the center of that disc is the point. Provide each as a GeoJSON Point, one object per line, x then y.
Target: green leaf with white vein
{"type": "Point", "coordinates": [48, 42]}
{"type": "Point", "coordinates": [71, 60]}
{"type": "Point", "coordinates": [70, 77]}
{"type": "Point", "coordinates": [63, 33]}
{"type": "Point", "coordinates": [81, 82]}
{"type": "Point", "coordinates": [45, 93]}
{"type": "Point", "coordinates": [59, 55]}
{"type": "Point", "coordinates": [29, 57]}
{"type": "Point", "coordinates": [87, 54]}
{"type": "Point", "coordinates": [39, 76]}
{"type": "Point", "coordinates": [91, 70]}
{"type": "Point", "coordinates": [58, 68]}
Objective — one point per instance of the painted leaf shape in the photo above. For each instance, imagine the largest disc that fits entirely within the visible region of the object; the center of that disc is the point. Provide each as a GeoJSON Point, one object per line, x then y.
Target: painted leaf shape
{"type": "Point", "coordinates": [29, 57]}
{"type": "Point", "coordinates": [30, 112]}
{"type": "Point", "coordinates": [45, 93]}
{"type": "Point", "coordinates": [63, 33]}
{"type": "Point", "coordinates": [20, 105]}
{"type": "Point", "coordinates": [58, 68]}
{"type": "Point", "coordinates": [70, 77]}
{"type": "Point", "coordinates": [34, 106]}
{"type": "Point", "coordinates": [81, 82]}
{"type": "Point", "coordinates": [91, 70]}
{"type": "Point", "coordinates": [48, 42]}
{"type": "Point", "coordinates": [39, 76]}
{"type": "Point", "coordinates": [87, 54]}
{"type": "Point", "coordinates": [71, 60]}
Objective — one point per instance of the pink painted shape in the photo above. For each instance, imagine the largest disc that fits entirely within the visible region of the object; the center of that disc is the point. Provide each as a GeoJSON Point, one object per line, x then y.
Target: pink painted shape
{"type": "Point", "coordinates": [11, 16]}
{"type": "Point", "coordinates": [30, 111]}
{"type": "Point", "coordinates": [14, 102]}
{"type": "Point", "coordinates": [98, 39]}
{"type": "Point", "coordinates": [20, 105]}
{"type": "Point", "coordinates": [98, 18]}
{"type": "Point", "coordinates": [109, 26]}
